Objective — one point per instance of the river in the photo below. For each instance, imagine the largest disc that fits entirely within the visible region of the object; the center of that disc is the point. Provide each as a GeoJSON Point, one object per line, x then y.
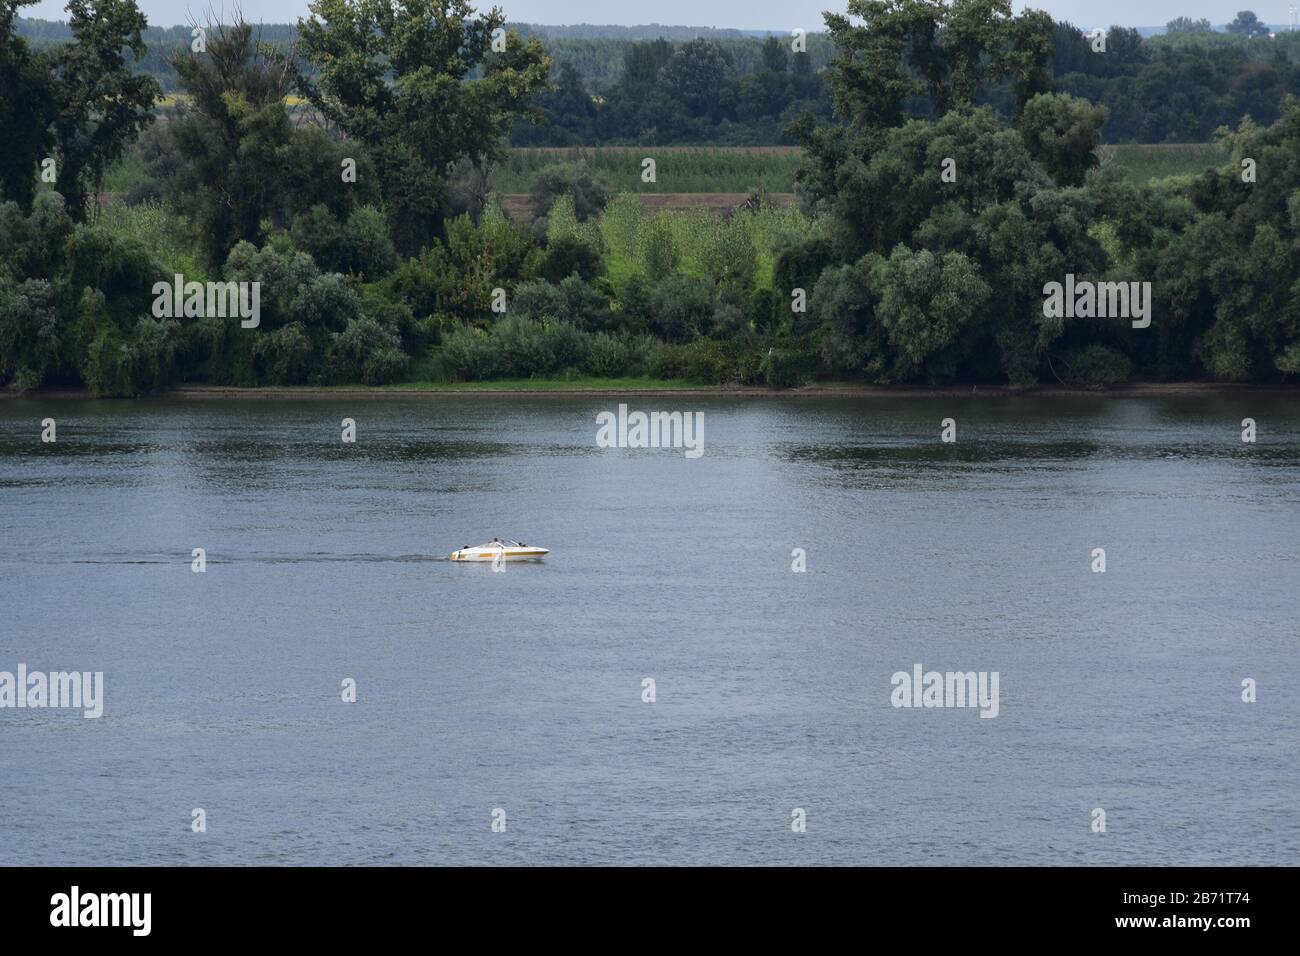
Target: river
{"type": "Point", "coordinates": [527, 691]}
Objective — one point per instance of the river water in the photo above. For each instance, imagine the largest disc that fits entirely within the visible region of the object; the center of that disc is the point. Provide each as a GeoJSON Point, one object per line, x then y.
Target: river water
{"type": "Point", "coordinates": [522, 691]}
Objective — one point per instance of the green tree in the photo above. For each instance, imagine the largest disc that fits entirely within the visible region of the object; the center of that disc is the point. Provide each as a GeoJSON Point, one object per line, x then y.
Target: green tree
{"type": "Point", "coordinates": [419, 83]}
{"type": "Point", "coordinates": [1184, 25]}
{"type": "Point", "coordinates": [775, 59]}
{"type": "Point", "coordinates": [1062, 133]}
{"type": "Point", "coordinates": [26, 109]}
{"type": "Point", "coordinates": [1247, 24]}
{"type": "Point", "coordinates": [101, 101]}
{"type": "Point", "coordinates": [695, 75]}
{"type": "Point", "coordinates": [233, 139]}
{"type": "Point", "coordinates": [948, 53]}
{"type": "Point", "coordinates": [590, 190]}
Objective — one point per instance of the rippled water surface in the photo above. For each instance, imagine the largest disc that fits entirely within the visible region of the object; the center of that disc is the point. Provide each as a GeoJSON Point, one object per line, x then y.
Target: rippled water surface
{"type": "Point", "coordinates": [523, 690]}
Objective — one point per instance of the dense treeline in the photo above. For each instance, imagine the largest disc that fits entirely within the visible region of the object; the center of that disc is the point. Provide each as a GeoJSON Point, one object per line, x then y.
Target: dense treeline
{"type": "Point", "coordinates": [954, 184]}
{"type": "Point", "coordinates": [615, 86]}
{"type": "Point", "coordinates": [1181, 86]}
{"type": "Point", "coordinates": [934, 280]}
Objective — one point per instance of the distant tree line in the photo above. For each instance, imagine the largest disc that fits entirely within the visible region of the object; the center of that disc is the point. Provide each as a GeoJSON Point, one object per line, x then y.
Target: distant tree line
{"type": "Point", "coordinates": [611, 87]}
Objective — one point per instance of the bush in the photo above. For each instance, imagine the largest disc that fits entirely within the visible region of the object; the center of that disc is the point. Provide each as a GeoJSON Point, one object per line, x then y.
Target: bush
{"type": "Point", "coordinates": [585, 306]}
{"type": "Point", "coordinates": [366, 352]}
{"type": "Point", "coordinates": [710, 362]}
{"type": "Point", "coordinates": [1097, 366]}
{"type": "Point", "coordinates": [284, 355]}
{"type": "Point", "coordinates": [539, 299]}
{"type": "Point", "coordinates": [570, 255]}
{"type": "Point", "coordinates": [681, 307]}
{"type": "Point", "coordinates": [788, 368]}
{"type": "Point", "coordinates": [31, 337]}
{"type": "Point", "coordinates": [610, 356]}
{"type": "Point", "coordinates": [526, 348]}
{"type": "Point", "coordinates": [660, 252]}
{"type": "Point", "coordinates": [799, 261]}
{"type": "Point", "coordinates": [361, 246]}
{"type": "Point", "coordinates": [729, 321]}
{"type": "Point", "coordinates": [121, 365]}
{"type": "Point", "coordinates": [589, 191]}
{"type": "Point", "coordinates": [468, 353]}
{"type": "Point", "coordinates": [665, 360]}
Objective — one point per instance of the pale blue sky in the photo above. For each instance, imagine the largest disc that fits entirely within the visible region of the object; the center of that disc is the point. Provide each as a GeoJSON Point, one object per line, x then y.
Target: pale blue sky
{"type": "Point", "coordinates": [741, 14]}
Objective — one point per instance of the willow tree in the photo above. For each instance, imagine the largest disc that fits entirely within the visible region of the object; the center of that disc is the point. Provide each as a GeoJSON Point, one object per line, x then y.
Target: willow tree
{"type": "Point", "coordinates": [233, 137]}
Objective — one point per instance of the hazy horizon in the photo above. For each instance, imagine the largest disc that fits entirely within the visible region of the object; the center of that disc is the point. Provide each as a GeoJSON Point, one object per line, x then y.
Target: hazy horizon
{"type": "Point", "coordinates": [723, 14]}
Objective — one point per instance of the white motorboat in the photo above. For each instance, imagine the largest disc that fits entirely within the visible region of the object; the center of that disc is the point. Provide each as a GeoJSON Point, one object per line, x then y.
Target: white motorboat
{"type": "Point", "coordinates": [500, 549]}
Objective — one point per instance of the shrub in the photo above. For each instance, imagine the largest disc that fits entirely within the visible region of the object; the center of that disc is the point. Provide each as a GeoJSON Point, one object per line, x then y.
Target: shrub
{"type": "Point", "coordinates": [570, 255]}
{"type": "Point", "coordinates": [788, 368]}
{"type": "Point", "coordinates": [118, 364]}
{"type": "Point", "coordinates": [588, 190]}
{"type": "Point", "coordinates": [539, 299]}
{"type": "Point", "coordinates": [367, 352]}
{"type": "Point", "coordinates": [31, 337]}
{"type": "Point", "coordinates": [468, 353]}
{"type": "Point", "coordinates": [799, 261]}
{"type": "Point", "coordinates": [681, 307]}
{"type": "Point", "coordinates": [710, 362]}
{"type": "Point", "coordinates": [585, 306]}
{"type": "Point", "coordinates": [609, 356]}
{"type": "Point", "coordinates": [1098, 366]}
{"type": "Point", "coordinates": [660, 252]}
{"type": "Point", "coordinates": [284, 354]}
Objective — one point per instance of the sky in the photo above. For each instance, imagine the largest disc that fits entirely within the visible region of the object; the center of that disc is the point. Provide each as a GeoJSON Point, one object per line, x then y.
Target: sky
{"type": "Point", "coordinates": [740, 14]}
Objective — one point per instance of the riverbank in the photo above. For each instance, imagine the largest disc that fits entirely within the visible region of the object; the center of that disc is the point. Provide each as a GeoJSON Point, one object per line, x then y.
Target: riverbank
{"type": "Point", "coordinates": [526, 388]}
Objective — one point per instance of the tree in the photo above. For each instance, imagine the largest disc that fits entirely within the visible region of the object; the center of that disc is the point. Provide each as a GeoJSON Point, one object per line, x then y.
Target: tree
{"type": "Point", "coordinates": [78, 103]}
{"type": "Point", "coordinates": [695, 75]}
{"type": "Point", "coordinates": [643, 61]}
{"type": "Point", "coordinates": [101, 101]}
{"type": "Point", "coordinates": [1248, 24]}
{"type": "Point", "coordinates": [1188, 25]}
{"type": "Point", "coordinates": [233, 139]}
{"type": "Point", "coordinates": [774, 55]}
{"type": "Point", "coordinates": [924, 302]}
{"type": "Point", "coordinates": [947, 53]}
{"type": "Point", "coordinates": [590, 191]}
{"type": "Point", "coordinates": [1062, 133]}
{"type": "Point", "coordinates": [396, 74]}
{"type": "Point", "coordinates": [26, 108]}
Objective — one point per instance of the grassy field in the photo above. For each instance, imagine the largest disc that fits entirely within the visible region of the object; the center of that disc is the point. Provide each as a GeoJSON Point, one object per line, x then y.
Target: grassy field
{"type": "Point", "coordinates": [741, 169]}
{"type": "Point", "coordinates": [712, 177]}
{"type": "Point", "coordinates": [714, 169]}
{"type": "Point", "coordinates": [1147, 163]}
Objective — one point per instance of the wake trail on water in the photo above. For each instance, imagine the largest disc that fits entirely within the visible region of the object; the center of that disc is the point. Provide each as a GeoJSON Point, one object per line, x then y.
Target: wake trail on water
{"type": "Point", "coordinates": [259, 559]}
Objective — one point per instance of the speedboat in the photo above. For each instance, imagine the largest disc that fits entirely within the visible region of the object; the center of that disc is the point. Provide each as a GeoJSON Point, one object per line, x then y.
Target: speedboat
{"type": "Point", "coordinates": [500, 549]}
